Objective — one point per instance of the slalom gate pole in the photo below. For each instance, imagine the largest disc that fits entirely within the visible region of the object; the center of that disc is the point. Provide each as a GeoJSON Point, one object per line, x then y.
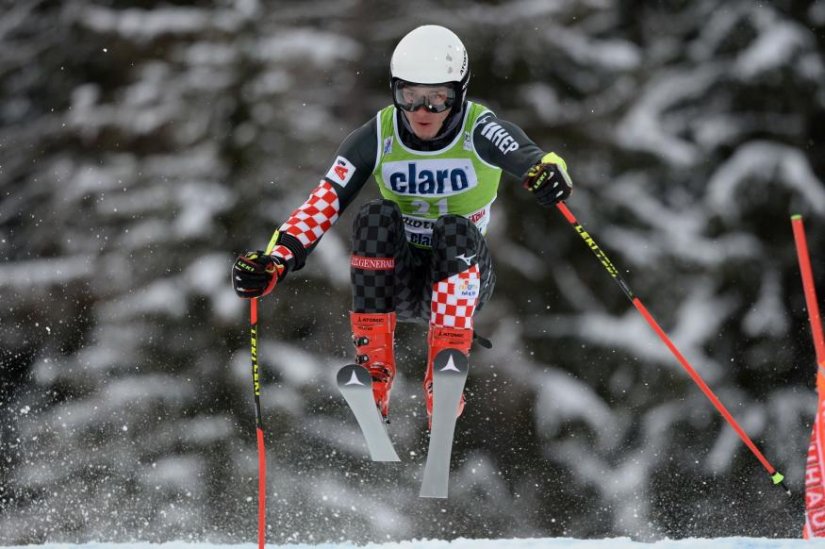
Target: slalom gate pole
{"type": "Point", "coordinates": [259, 426]}
{"type": "Point", "coordinates": [810, 290]}
{"type": "Point", "coordinates": [775, 475]}
{"type": "Point", "coordinates": [814, 526]}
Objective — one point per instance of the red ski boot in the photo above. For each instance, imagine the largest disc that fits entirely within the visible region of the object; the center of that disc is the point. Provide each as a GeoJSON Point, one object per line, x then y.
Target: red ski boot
{"type": "Point", "coordinates": [441, 338]}
{"type": "Point", "coordinates": [373, 337]}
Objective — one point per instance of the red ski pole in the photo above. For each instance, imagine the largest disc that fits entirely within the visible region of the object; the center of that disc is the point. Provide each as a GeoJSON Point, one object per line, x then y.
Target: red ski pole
{"type": "Point", "coordinates": [776, 476]}
{"type": "Point", "coordinates": [259, 426]}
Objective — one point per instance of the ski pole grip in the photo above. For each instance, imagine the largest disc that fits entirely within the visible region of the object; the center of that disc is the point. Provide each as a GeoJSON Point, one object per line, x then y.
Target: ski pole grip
{"type": "Point", "coordinates": [272, 242]}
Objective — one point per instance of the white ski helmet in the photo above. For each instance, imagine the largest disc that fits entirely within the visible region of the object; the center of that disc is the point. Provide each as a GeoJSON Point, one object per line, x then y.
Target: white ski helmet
{"type": "Point", "coordinates": [431, 54]}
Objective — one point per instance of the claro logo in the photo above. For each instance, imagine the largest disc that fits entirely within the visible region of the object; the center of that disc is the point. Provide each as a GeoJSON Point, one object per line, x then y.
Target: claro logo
{"type": "Point", "coordinates": [429, 177]}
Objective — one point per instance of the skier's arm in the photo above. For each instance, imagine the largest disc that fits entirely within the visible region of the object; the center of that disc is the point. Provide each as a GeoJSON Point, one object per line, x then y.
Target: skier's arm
{"type": "Point", "coordinates": [352, 167]}
{"type": "Point", "coordinates": [255, 273]}
{"type": "Point", "coordinates": [504, 144]}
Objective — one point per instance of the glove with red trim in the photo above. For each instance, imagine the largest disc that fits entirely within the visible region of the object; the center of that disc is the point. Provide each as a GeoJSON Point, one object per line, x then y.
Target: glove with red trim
{"type": "Point", "coordinates": [548, 180]}
{"type": "Point", "coordinates": [255, 274]}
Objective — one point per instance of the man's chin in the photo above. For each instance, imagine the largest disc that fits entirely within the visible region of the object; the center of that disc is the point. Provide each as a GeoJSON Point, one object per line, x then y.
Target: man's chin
{"type": "Point", "coordinates": [425, 135]}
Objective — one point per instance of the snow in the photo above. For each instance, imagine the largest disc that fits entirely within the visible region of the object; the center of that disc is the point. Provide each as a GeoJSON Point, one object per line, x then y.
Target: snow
{"type": "Point", "coordinates": [147, 24]}
{"type": "Point", "coordinates": [44, 272]}
{"type": "Point", "coordinates": [142, 148]}
{"type": "Point", "coordinates": [309, 46]}
{"type": "Point", "coordinates": [769, 165]}
{"type": "Point", "coordinates": [538, 543]}
{"type": "Point", "coordinates": [775, 47]}
{"type": "Point", "coordinates": [563, 398]}
{"type": "Point", "coordinates": [611, 54]}
{"type": "Point", "coordinates": [767, 315]}
{"type": "Point", "coordinates": [646, 126]}
{"type": "Point", "coordinates": [677, 230]}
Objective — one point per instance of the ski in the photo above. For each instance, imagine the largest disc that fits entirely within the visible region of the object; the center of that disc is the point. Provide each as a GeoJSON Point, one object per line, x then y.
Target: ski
{"type": "Point", "coordinates": [450, 369]}
{"type": "Point", "coordinates": [355, 383]}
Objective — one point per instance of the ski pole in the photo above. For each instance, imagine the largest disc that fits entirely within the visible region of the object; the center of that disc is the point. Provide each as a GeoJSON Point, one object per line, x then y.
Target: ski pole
{"type": "Point", "coordinates": [259, 426]}
{"type": "Point", "coordinates": [775, 475]}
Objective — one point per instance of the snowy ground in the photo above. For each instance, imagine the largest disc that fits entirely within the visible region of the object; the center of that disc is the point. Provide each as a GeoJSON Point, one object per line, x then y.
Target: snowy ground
{"type": "Point", "coordinates": [547, 543]}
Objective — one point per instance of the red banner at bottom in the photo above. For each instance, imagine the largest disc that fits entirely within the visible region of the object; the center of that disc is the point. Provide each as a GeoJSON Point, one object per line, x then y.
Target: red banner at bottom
{"type": "Point", "coordinates": [815, 475]}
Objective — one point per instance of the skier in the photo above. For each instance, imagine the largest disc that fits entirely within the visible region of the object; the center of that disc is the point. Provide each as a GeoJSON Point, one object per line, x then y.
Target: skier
{"type": "Point", "coordinates": [418, 253]}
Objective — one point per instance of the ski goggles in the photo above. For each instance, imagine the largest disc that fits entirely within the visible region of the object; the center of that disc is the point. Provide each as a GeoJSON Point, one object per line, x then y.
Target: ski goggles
{"type": "Point", "coordinates": [433, 97]}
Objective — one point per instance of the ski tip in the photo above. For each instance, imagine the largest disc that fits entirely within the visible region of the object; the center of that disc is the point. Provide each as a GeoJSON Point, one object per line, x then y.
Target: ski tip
{"type": "Point", "coordinates": [353, 374]}
{"type": "Point", "coordinates": [796, 217]}
{"type": "Point", "coordinates": [432, 496]}
{"type": "Point", "coordinates": [451, 361]}
{"type": "Point", "coordinates": [433, 492]}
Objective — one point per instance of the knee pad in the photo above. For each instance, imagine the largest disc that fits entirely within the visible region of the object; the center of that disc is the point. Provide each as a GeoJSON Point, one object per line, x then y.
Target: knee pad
{"type": "Point", "coordinates": [377, 228]}
{"type": "Point", "coordinates": [456, 242]}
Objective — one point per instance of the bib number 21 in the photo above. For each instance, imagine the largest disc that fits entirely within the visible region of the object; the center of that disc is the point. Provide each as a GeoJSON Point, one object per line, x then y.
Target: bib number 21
{"type": "Point", "coordinates": [422, 207]}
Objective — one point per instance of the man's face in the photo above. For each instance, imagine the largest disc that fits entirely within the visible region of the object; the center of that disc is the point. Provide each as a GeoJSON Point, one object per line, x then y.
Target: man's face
{"type": "Point", "coordinates": [425, 124]}
{"type": "Point", "coordinates": [418, 103]}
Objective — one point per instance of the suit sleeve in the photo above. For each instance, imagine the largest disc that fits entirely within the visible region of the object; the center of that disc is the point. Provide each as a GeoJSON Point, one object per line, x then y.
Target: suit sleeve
{"type": "Point", "coordinates": [504, 144]}
{"type": "Point", "coordinates": [350, 170]}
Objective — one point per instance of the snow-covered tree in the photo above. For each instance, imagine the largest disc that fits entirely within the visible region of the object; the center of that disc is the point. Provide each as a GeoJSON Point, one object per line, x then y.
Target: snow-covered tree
{"type": "Point", "coordinates": [144, 144]}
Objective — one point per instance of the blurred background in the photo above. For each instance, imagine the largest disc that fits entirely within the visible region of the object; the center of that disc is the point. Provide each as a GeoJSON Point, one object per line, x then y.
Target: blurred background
{"type": "Point", "coordinates": [144, 144]}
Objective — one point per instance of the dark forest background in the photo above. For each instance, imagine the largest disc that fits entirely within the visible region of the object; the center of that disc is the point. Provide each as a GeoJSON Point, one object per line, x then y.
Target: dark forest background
{"type": "Point", "coordinates": [144, 144]}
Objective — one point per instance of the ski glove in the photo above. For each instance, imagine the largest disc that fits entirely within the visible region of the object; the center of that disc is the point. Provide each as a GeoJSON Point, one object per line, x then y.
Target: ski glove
{"type": "Point", "coordinates": [548, 180]}
{"type": "Point", "coordinates": [255, 274]}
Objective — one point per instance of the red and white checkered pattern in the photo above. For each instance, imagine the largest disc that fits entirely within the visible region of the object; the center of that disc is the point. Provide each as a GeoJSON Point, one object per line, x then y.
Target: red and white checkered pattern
{"type": "Point", "coordinates": [314, 217]}
{"type": "Point", "coordinates": [282, 252]}
{"type": "Point", "coordinates": [454, 299]}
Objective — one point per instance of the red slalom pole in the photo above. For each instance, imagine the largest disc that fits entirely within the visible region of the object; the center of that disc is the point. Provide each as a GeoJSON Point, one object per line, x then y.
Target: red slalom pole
{"type": "Point", "coordinates": [259, 427]}
{"type": "Point", "coordinates": [808, 285]}
{"type": "Point", "coordinates": [814, 526]}
{"type": "Point", "coordinates": [776, 476]}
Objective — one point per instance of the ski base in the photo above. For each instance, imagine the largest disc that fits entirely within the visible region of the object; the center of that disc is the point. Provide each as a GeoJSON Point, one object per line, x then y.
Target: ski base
{"type": "Point", "coordinates": [450, 369]}
{"type": "Point", "coordinates": [355, 383]}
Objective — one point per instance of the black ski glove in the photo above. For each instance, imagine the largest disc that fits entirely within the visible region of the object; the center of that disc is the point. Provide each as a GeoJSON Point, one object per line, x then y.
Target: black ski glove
{"type": "Point", "coordinates": [255, 274]}
{"type": "Point", "coordinates": [548, 180]}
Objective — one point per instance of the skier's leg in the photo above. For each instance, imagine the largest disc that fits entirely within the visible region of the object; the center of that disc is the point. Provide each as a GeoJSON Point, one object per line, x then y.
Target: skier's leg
{"type": "Point", "coordinates": [379, 249]}
{"type": "Point", "coordinates": [463, 281]}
